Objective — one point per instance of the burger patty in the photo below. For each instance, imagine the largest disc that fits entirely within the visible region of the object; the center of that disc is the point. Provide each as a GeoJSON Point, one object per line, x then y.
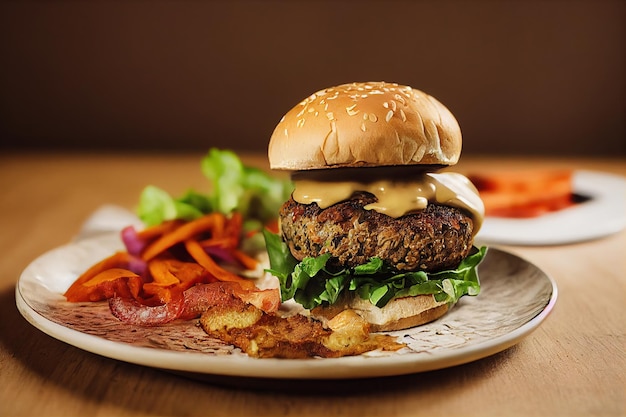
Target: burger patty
{"type": "Point", "coordinates": [433, 239]}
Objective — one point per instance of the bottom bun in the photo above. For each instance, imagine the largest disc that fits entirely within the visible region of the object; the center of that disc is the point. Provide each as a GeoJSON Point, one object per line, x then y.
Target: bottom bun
{"type": "Point", "coordinates": [398, 314]}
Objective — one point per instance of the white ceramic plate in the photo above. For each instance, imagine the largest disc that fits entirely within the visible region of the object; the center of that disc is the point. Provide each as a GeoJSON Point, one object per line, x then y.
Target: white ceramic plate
{"type": "Point", "coordinates": [516, 297]}
{"type": "Point", "coordinates": [604, 213]}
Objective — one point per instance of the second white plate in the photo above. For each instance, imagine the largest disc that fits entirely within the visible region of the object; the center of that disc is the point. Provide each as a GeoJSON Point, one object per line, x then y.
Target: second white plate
{"type": "Point", "coordinates": [604, 213]}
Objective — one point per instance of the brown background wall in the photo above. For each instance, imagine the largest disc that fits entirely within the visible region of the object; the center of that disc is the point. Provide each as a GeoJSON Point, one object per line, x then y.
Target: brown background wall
{"type": "Point", "coordinates": [525, 77]}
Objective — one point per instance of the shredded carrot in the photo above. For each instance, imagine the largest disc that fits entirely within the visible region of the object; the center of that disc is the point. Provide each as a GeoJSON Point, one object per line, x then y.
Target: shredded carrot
{"type": "Point", "coordinates": [157, 292]}
{"type": "Point", "coordinates": [247, 261]}
{"type": "Point", "coordinates": [180, 234]}
{"type": "Point", "coordinates": [168, 271]}
{"type": "Point", "coordinates": [117, 260]}
{"type": "Point", "coordinates": [109, 275]}
{"type": "Point", "coordinates": [135, 285]}
{"type": "Point", "coordinates": [233, 228]}
{"type": "Point", "coordinates": [272, 226]}
{"type": "Point", "coordinates": [77, 292]}
{"type": "Point", "coordinates": [106, 285]}
{"type": "Point", "coordinates": [157, 230]}
{"type": "Point", "coordinates": [189, 273]}
{"type": "Point", "coordinates": [221, 242]}
{"type": "Point", "coordinates": [198, 253]}
{"type": "Point", "coordinates": [219, 226]}
{"type": "Point", "coordinates": [161, 271]}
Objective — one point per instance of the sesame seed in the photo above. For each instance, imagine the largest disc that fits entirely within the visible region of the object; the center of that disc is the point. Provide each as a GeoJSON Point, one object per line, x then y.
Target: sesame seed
{"type": "Point", "coordinates": [386, 105]}
{"type": "Point", "coordinates": [330, 115]}
{"type": "Point", "coordinates": [350, 110]}
{"type": "Point", "coordinates": [373, 117]}
{"type": "Point", "coordinates": [389, 115]}
{"type": "Point", "coordinates": [400, 98]}
{"type": "Point", "coordinates": [300, 122]}
{"type": "Point", "coordinates": [403, 115]}
{"type": "Point", "coordinates": [363, 127]}
{"type": "Point", "coordinates": [393, 105]}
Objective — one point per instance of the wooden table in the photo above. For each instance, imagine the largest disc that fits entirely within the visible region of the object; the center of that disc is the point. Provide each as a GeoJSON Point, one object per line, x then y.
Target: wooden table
{"type": "Point", "coordinates": [573, 364]}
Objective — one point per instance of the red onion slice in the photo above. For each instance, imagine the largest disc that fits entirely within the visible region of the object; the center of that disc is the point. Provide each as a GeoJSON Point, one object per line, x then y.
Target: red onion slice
{"type": "Point", "coordinates": [132, 312]}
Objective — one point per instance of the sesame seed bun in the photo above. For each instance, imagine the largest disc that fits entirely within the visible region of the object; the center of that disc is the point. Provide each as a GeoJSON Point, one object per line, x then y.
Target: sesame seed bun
{"type": "Point", "coordinates": [365, 124]}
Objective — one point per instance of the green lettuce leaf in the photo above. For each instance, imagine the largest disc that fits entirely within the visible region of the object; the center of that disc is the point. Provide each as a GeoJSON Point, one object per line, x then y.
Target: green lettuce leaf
{"type": "Point", "coordinates": [156, 206]}
{"type": "Point", "coordinates": [232, 186]}
{"type": "Point", "coordinates": [312, 282]}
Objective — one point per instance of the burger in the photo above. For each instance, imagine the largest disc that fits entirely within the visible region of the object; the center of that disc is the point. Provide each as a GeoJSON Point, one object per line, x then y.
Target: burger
{"type": "Point", "coordinates": [375, 223]}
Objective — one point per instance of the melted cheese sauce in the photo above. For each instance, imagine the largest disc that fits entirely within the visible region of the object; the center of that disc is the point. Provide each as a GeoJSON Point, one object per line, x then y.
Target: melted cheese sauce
{"type": "Point", "coordinates": [397, 198]}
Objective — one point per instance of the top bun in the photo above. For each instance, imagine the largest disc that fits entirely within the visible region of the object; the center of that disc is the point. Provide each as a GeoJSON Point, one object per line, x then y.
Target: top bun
{"type": "Point", "coordinates": [365, 124]}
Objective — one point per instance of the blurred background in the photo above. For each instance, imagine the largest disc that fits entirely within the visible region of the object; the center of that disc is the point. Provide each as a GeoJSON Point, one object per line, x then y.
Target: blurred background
{"type": "Point", "coordinates": [522, 77]}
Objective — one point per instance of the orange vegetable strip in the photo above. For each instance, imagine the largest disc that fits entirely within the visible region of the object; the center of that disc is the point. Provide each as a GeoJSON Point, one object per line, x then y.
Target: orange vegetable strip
{"type": "Point", "coordinates": [219, 226]}
{"type": "Point", "coordinates": [272, 226]}
{"type": "Point", "coordinates": [193, 273]}
{"type": "Point", "coordinates": [234, 226]}
{"type": "Point", "coordinates": [135, 284]}
{"type": "Point", "coordinates": [180, 234]}
{"type": "Point", "coordinates": [532, 209]}
{"type": "Point", "coordinates": [162, 294]}
{"type": "Point", "coordinates": [109, 275]}
{"type": "Point", "coordinates": [523, 193]}
{"type": "Point", "coordinates": [222, 242]}
{"type": "Point", "coordinates": [186, 271]}
{"type": "Point", "coordinates": [117, 260]}
{"type": "Point", "coordinates": [247, 261]}
{"type": "Point", "coordinates": [102, 291]}
{"type": "Point", "coordinates": [161, 271]}
{"type": "Point", "coordinates": [155, 231]}
{"type": "Point", "coordinates": [106, 284]}
{"type": "Point", "coordinates": [198, 253]}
